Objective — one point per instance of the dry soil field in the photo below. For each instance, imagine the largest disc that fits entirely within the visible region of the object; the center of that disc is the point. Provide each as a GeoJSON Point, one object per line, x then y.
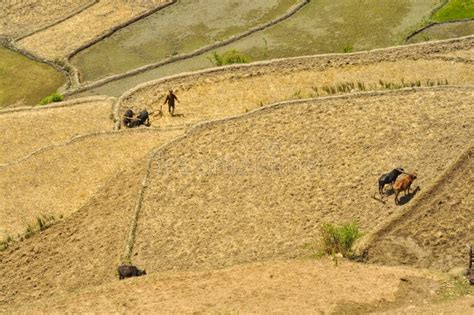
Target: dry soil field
{"type": "Point", "coordinates": [305, 287]}
{"type": "Point", "coordinates": [76, 253]}
{"type": "Point", "coordinates": [224, 92]}
{"type": "Point", "coordinates": [22, 17]}
{"type": "Point", "coordinates": [59, 180]}
{"type": "Point", "coordinates": [84, 27]}
{"type": "Point", "coordinates": [436, 232]}
{"type": "Point", "coordinates": [258, 187]}
{"type": "Point", "coordinates": [230, 194]}
{"type": "Point", "coordinates": [25, 131]}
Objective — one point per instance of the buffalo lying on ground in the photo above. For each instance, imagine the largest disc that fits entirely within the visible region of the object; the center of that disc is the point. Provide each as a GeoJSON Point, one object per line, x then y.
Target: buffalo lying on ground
{"type": "Point", "coordinates": [128, 271]}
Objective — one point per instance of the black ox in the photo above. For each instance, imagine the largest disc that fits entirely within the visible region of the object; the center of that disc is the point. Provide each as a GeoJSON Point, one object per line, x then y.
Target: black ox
{"type": "Point", "coordinates": [389, 178]}
{"type": "Point", "coordinates": [142, 119]}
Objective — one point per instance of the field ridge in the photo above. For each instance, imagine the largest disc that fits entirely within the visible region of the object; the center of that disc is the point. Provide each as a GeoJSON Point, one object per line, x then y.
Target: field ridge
{"type": "Point", "coordinates": [362, 247]}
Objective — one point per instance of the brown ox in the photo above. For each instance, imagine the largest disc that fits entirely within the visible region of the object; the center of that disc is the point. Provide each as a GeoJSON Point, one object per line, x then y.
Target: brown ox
{"type": "Point", "coordinates": [403, 184]}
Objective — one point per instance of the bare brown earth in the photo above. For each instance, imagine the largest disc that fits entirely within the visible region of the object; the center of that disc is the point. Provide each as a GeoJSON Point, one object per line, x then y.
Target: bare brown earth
{"type": "Point", "coordinates": [464, 306]}
{"type": "Point", "coordinates": [258, 187]}
{"type": "Point", "coordinates": [80, 251]}
{"type": "Point", "coordinates": [28, 130]}
{"type": "Point", "coordinates": [437, 231]}
{"type": "Point", "coordinates": [84, 27]}
{"type": "Point", "coordinates": [234, 90]}
{"type": "Point", "coordinates": [465, 54]}
{"type": "Point", "coordinates": [275, 286]}
{"type": "Point", "coordinates": [59, 180]}
{"type": "Point", "coordinates": [22, 17]}
{"type": "Point", "coordinates": [227, 204]}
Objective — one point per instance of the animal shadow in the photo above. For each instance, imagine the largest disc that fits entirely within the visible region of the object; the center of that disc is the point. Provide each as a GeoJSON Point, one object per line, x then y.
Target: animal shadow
{"type": "Point", "coordinates": [388, 192]}
{"type": "Point", "coordinates": [405, 199]}
{"type": "Point", "coordinates": [177, 115]}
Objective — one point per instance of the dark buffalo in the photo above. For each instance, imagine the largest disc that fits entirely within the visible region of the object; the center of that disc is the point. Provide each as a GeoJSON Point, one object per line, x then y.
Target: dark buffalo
{"type": "Point", "coordinates": [128, 271]}
{"type": "Point", "coordinates": [143, 118]}
{"type": "Point", "coordinates": [389, 178]}
{"type": "Point", "coordinates": [128, 118]}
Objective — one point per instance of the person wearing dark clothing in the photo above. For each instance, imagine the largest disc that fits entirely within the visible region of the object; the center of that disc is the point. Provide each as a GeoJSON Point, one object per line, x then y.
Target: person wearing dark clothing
{"type": "Point", "coordinates": [170, 99]}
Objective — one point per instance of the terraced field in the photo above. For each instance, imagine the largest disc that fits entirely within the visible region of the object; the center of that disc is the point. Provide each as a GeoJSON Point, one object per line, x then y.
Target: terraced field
{"type": "Point", "coordinates": [234, 196]}
{"type": "Point", "coordinates": [27, 130]}
{"type": "Point", "coordinates": [166, 33]}
{"type": "Point", "coordinates": [316, 24]}
{"type": "Point", "coordinates": [326, 70]}
{"type": "Point", "coordinates": [281, 187]}
{"type": "Point", "coordinates": [50, 43]}
{"type": "Point", "coordinates": [444, 31]}
{"type": "Point", "coordinates": [78, 252]}
{"type": "Point", "coordinates": [22, 17]}
{"type": "Point", "coordinates": [253, 288]}
{"type": "Point", "coordinates": [435, 234]}
{"type": "Point", "coordinates": [202, 95]}
{"type": "Point", "coordinates": [15, 68]}
{"type": "Point", "coordinates": [47, 182]}
{"type": "Point", "coordinates": [222, 204]}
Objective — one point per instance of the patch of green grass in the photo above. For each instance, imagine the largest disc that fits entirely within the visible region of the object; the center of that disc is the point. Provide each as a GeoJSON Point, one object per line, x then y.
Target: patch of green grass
{"type": "Point", "coordinates": [348, 48]}
{"type": "Point", "coordinates": [339, 238]}
{"type": "Point", "coordinates": [229, 57]}
{"type": "Point", "coordinates": [25, 81]}
{"type": "Point", "coordinates": [455, 10]}
{"type": "Point", "coordinates": [53, 98]}
{"type": "Point", "coordinates": [455, 288]}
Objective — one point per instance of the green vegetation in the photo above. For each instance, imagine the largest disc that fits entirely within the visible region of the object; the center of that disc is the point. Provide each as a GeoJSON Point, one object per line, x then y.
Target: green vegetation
{"type": "Point", "coordinates": [456, 287]}
{"type": "Point", "coordinates": [42, 223]}
{"type": "Point", "coordinates": [229, 57]}
{"type": "Point", "coordinates": [25, 81]}
{"type": "Point", "coordinates": [54, 97]}
{"type": "Point", "coordinates": [339, 239]}
{"type": "Point", "coordinates": [455, 10]}
{"type": "Point", "coordinates": [348, 48]}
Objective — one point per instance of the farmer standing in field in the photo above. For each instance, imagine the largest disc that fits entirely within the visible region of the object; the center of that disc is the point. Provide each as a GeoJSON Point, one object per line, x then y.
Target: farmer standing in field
{"type": "Point", "coordinates": [170, 98]}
